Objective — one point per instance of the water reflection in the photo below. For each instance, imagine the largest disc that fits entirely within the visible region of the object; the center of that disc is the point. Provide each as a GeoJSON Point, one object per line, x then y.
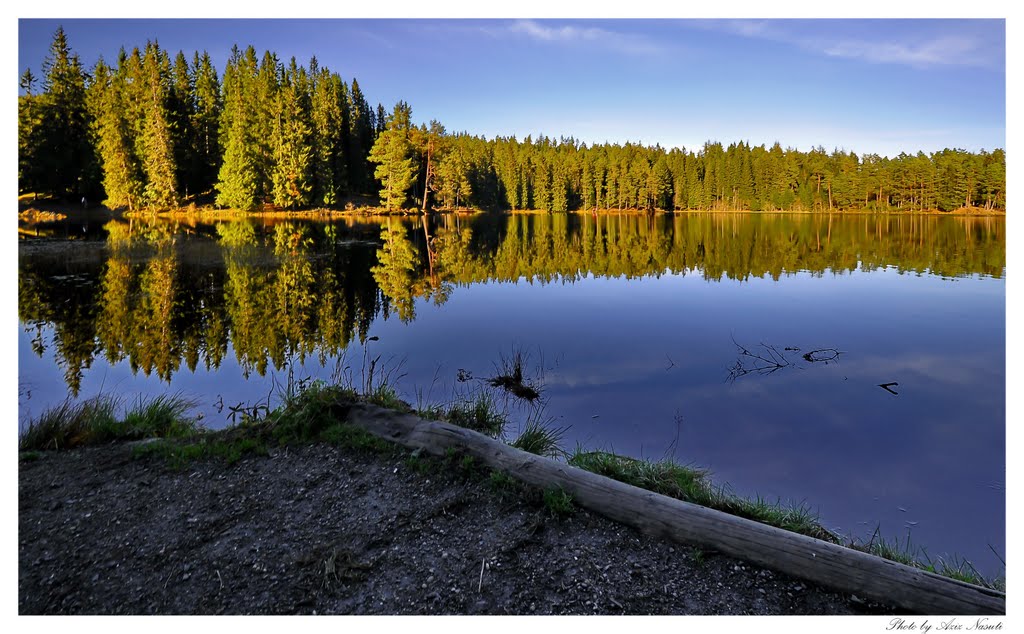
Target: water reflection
{"type": "Point", "coordinates": [286, 289]}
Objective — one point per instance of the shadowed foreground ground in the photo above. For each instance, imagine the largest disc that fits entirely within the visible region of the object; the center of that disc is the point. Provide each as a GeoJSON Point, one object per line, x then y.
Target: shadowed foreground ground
{"type": "Point", "coordinates": [320, 529]}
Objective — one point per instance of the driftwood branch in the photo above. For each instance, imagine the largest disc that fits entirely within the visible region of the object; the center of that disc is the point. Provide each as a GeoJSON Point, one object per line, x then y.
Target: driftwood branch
{"type": "Point", "coordinates": [817, 561]}
{"type": "Point", "coordinates": [767, 359]}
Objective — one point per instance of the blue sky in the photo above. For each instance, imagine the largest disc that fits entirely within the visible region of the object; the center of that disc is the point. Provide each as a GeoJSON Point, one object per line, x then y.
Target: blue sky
{"type": "Point", "coordinates": [880, 86]}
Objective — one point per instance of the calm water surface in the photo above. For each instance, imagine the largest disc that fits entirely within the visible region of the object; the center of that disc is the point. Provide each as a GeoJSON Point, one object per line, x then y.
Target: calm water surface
{"type": "Point", "coordinates": [633, 325]}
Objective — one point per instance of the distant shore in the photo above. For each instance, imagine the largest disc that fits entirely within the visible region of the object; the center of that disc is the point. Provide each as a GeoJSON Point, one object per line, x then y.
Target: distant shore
{"type": "Point", "coordinates": [50, 211]}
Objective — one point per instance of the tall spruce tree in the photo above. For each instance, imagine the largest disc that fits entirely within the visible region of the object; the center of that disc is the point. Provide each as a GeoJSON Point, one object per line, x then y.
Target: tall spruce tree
{"type": "Point", "coordinates": [329, 124]}
{"type": "Point", "coordinates": [63, 151]}
{"type": "Point", "coordinates": [181, 109]}
{"type": "Point", "coordinates": [122, 174]}
{"type": "Point", "coordinates": [393, 154]}
{"type": "Point", "coordinates": [238, 179]}
{"type": "Point", "coordinates": [157, 155]}
{"type": "Point", "coordinates": [361, 136]}
{"type": "Point", "coordinates": [30, 118]}
{"type": "Point", "coordinates": [294, 168]}
{"type": "Point", "coordinates": [205, 123]}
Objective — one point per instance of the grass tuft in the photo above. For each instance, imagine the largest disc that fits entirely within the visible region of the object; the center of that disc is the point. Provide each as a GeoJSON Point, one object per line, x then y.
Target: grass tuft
{"type": "Point", "coordinates": [692, 485]}
{"type": "Point", "coordinates": [510, 378]}
{"type": "Point", "coordinates": [479, 414]}
{"type": "Point", "coordinates": [698, 556]}
{"type": "Point", "coordinates": [540, 438]}
{"type": "Point", "coordinates": [95, 421]}
{"type": "Point", "coordinates": [910, 554]}
{"type": "Point", "coordinates": [180, 454]}
{"type": "Point", "coordinates": [161, 417]}
{"type": "Point", "coordinates": [309, 414]}
{"type": "Point", "coordinates": [385, 396]}
{"type": "Point", "coordinates": [502, 483]}
{"type": "Point", "coordinates": [558, 502]}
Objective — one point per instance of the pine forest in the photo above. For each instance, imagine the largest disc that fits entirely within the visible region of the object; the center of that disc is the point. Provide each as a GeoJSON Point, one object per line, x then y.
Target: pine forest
{"type": "Point", "coordinates": [156, 132]}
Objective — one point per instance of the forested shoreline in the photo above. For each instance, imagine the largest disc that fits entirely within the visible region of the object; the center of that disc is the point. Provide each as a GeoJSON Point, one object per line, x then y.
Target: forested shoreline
{"type": "Point", "coordinates": [149, 132]}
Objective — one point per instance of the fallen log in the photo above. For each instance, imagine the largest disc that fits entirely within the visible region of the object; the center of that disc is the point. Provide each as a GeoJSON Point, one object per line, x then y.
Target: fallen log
{"type": "Point", "coordinates": [814, 560]}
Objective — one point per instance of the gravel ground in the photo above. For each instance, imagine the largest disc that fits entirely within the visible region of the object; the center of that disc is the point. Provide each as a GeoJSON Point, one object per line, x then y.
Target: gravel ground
{"type": "Point", "coordinates": [322, 530]}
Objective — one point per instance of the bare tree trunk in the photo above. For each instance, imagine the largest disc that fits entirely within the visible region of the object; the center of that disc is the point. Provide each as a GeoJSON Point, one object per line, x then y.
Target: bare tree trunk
{"type": "Point", "coordinates": [426, 179]}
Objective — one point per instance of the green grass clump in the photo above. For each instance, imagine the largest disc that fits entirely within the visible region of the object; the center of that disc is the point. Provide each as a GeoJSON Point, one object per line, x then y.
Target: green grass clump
{"type": "Point", "coordinates": [180, 454]}
{"type": "Point", "coordinates": [540, 439]}
{"type": "Point", "coordinates": [558, 502]}
{"type": "Point", "coordinates": [692, 485]}
{"type": "Point", "coordinates": [510, 378]}
{"type": "Point", "coordinates": [307, 415]}
{"type": "Point", "coordinates": [666, 478]}
{"type": "Point", "coordinates": [797, 518]}
{"type": "Point", "coordinates": [910, 554]}
{"type": "Point", "coordinates": [501, 482]}
{"type": "Point", "coordinates": [479, 414]}
{"type": "Point", "coordinates": [318, 413]}
{"type": "Point", "coordinates": [348, 436]}
{"type": "Point", "coordinates": [385, 396]}
{"type": "Point", "coordinates": [161, 417]}
{"type": "Point", "coordinates": [421, 465]}
{"type": "Point", "coordinates": [698, 556]}
{"type": "Point", "coordinates": [95, 421]}
{"type": "Point", "coordinates": [68, 425]}
{"type": "Point", "coordinates": [432, 412]}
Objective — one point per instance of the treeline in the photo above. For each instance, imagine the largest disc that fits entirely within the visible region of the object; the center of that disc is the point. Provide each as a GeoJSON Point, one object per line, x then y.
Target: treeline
{"type": "Point", "coordinates": [567, 175]}
{"type": "Point", "coordinates": [149, 132]}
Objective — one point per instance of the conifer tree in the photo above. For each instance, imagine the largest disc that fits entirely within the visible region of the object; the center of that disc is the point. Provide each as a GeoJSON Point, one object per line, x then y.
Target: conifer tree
{"type": "Point", "coordinates": [157, 154]}
{"type": "Point", "coordinates": [238, 177]}
{"type": "Point", "coordinates": [361, 135]}
{"type": "Point", "coordinates": [63, 152]}
{"type": "Point", "coordinates": [293, 169]}
{"type": "Point", "coordinates": [122, 174]}
{"type": "Point", "coordinates": [329, 125]}
{"type": "Point", "coordinates": [207, 108]}
{"type": "Point", "coordinates": [29, 128]}
{"type": "Point", "coordinates": [265, 104]}
{"type": "Point", "coordinates": [393, 153]}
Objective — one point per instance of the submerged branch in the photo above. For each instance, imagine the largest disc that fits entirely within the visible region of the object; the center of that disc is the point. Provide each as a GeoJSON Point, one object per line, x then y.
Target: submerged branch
{"type": "Point", "coordinates": [767, 359]}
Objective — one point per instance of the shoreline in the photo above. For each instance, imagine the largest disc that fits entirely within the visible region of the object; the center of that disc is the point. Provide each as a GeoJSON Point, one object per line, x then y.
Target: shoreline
{"type": "Point", "coordinates": [51, 212]}
{"type": "Point", "coordinates": [311, 423]}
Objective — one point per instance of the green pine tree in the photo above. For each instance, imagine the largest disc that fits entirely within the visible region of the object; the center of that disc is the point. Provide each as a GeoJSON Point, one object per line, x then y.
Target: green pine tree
{"type": "Point", "coordinates": [63, 152]}
{"type": "Point", "coordinates": [122, 174]}
{"type": "Point", "coordinates": [30, 119]}
{"type": "Point", "coordinates": [293, 169]}
{"type": "Point", "coordinates": [157, 154]}
{"type": "Point", "coordinates": [393, 153]}
{"type": "Point", "coordinates": [207, 104]}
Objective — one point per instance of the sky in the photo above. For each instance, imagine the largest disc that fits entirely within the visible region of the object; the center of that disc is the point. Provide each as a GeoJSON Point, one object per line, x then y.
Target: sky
{"type": "Point", "coordinates": [870, 86]}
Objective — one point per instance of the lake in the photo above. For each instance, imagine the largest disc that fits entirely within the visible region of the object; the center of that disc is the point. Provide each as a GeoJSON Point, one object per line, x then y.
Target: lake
{"type": "Point", "coordinates": [750, 344]}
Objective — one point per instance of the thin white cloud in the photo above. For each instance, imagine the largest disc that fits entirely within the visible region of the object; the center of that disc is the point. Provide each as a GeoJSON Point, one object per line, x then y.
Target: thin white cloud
{"type": "Point", "coordinates": [748, 28]}
{"type": "Point", "coordinates": [922, 51]}
{"type": "Point", "coordinates": [942, 51]}
{"type": "Point", "coordinates": [567, 34]}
